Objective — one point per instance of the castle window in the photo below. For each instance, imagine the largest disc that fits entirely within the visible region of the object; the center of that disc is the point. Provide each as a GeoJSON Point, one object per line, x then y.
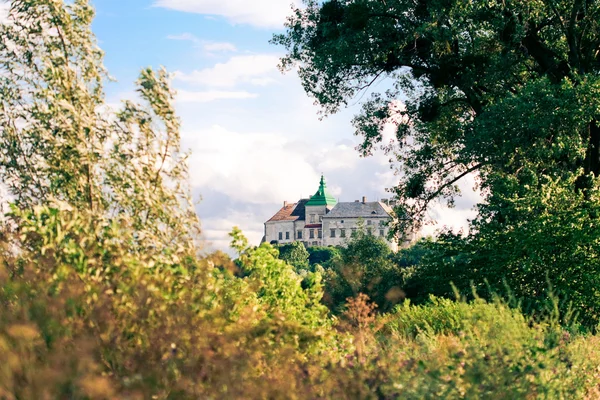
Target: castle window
{"type": "Point", "coordinates": [311, 233]}
{"type": "Point", "coordinates": [381, 232]}
{"type": "Point", "coordinates": [353, 232]}
{"type": "Point", "coordinates": [280, 236]}
{"type": "Point", "coordinates": [312, 218]}
{"type": "Point", "coordinates": [287, 236]}
{"type": "Point", "coordinates": [333, 233]}
{"type": "Point", "coordinates": [369, 222]}
{"type": "Point", "coordinates": [370, 231]}
{"type": "Point", "coordinates": [320, 233]}
{"type": "Point", "coordinates": [320, 218]}
{"type": "Point", "coordinates": [299, 234]}
{"type": "Point", "coordinates": [342, 233]}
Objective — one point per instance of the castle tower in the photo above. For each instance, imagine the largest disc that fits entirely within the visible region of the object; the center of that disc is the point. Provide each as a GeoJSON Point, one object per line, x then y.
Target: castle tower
{"type": "Point", "coordinates": [319, 204]}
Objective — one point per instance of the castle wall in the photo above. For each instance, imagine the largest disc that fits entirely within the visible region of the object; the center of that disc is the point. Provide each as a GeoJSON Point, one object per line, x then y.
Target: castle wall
{"type": "Point", "coordinates": [286, 228]}
{"type": "Point", "coordinates": [343, 228]}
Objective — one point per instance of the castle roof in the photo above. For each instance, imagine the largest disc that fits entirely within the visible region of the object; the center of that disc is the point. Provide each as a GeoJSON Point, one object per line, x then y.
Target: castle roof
{"type": "Point", "coordinates": [290, 212]}
{"type": "Point", "coordinates": [372, 209]}
{"type": "Point", "coordinates": [322, 197]}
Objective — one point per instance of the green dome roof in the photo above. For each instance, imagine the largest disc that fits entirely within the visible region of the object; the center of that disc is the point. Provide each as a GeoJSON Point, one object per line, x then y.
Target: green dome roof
{"type": "Point", "coordinates": [322, 198]}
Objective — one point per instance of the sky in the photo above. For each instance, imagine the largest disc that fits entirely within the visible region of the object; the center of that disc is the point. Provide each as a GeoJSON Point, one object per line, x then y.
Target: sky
{"type": "Point", "coordinates": [254, 136]}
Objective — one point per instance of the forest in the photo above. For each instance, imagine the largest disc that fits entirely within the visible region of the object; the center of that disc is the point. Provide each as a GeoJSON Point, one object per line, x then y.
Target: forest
{"type": "Point", "coordinates": [107, 291]}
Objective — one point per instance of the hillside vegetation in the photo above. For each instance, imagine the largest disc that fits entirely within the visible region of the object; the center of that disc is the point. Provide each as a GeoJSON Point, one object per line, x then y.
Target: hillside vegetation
{"type": "Point", "coordinates": [106, 293]}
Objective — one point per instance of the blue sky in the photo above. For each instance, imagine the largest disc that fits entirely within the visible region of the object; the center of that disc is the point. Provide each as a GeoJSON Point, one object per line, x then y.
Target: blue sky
{"type": "Point", "coordinates": [255, 137]}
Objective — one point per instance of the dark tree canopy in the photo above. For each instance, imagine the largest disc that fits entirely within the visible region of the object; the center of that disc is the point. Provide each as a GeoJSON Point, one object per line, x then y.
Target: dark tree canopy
{"type": "Point", "coordinates": [505, 88]}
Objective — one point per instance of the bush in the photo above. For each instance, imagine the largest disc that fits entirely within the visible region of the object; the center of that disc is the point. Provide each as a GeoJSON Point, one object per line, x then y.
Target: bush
{"type": "Point", "coordinates": [91, 319]}
{"type": "Point", "coordinates": [448, 349]}
{"type": "Point", "coordinates": [541, 244]}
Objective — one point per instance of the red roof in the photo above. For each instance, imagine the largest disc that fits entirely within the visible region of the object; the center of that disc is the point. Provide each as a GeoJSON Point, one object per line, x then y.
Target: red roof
{"type": "Point", "coordinates": [313, 226]}
{"type": "Point", "coordinates": [285, 214]}
{"type": "Point", "coordinates": [290, 212]}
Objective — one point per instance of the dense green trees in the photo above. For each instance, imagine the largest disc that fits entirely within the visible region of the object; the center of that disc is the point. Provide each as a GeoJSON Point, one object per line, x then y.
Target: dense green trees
{"type": "Point", "coordinates": [364, 267]}
{"type": "Point", "coordinates": [506, 90]}
{"type": "Point", "coordinates": [296, 255]}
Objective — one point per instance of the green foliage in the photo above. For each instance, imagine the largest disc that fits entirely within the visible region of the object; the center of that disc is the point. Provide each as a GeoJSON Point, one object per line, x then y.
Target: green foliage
{"type": "Point", "coordinates": [111, 320]}
{"type": "Point", "coordinates": [279, 288]}
{"type": "Point", "coordinates": [409, 259]}
{"type": "Point", "coordinates": [295, 254]}
{"type": "Point", "coordinates": [523, 256]}
{"type": "Point", "coordinates": [133, 328]}
{"type": "Point", "coordinates": [482, 84]}
{"type": "Point", "coordinates": [366, 249]}
{"type": "Point", "coordinates": [364, 266]}
{"type": "Point", "coordinates": [51, 85]}
{"type": "Point", "coordinates": [485, 350]}
{"type": "Point", "coordinates": [323, 255]}
{"type": "Point", "coordinates": [61, 143]}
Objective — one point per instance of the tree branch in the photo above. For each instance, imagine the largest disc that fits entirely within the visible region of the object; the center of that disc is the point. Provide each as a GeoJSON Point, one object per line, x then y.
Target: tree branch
{"type": "Point", "coordinates": [452, 182]}
{"type": "Point", "coordinates": [370, 82]}
{"type": "Point", "coordinates": [571, 36]}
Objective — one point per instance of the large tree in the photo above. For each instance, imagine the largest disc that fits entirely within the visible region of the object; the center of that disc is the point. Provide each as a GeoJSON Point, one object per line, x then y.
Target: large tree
{"type": "Point", "coordinates": [485, 86]}
{"type": "Point", "coordinates": [60, 142]}
{"type": "Point", "coordinates": [505, 90]}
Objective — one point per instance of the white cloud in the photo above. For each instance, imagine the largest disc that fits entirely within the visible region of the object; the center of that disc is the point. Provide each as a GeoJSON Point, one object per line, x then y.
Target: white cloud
{"type": "Point", "coordinates": [261, 13]}
{"type": "Point", "coordinates": [248, 167]}
{"type": "Point", "coordinates": [456, 218]}
{"type": "Point", "coordinates": [183, 36]}
{"type": "Point", "coordinates": [184, 96]}
{"type": "Point", "coordinates": [258, 70]}
{"type": "Point", "coordinates": [219, 47]}
{"type": "Point", "coordinates": [207, 46]}
{"type": "Point", "coordinates": [216, 230]}
{"type": "Point", "coordinates": [340, 157]}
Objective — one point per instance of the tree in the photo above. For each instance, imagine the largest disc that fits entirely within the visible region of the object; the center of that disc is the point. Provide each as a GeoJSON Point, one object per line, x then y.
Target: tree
{"type": "Point", "coordinates": [487, 87]}
{"type": "Point", "coordinates": [100, 277]}
{"type": "Point", "coordinates": [60, 143]}
{"type": "Point", "coordinates": [365, 266]}
{"type": "Point", "coordinates": [505, 90]}
{"type": "Point", "coordinates": [281, 289]}
{"type": "Point", "coordinates": [294, 254]}
{"type": "Point", "coordinates": [551, 251]}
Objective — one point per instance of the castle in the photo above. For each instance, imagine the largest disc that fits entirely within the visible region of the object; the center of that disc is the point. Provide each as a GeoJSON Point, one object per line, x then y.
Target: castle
{"type": "Point", "coordinates": [322, 221]}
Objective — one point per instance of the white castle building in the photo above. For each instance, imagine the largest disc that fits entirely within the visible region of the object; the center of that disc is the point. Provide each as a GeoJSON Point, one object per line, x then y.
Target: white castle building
{"type": "Point", "coordinates": [322, 221]}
